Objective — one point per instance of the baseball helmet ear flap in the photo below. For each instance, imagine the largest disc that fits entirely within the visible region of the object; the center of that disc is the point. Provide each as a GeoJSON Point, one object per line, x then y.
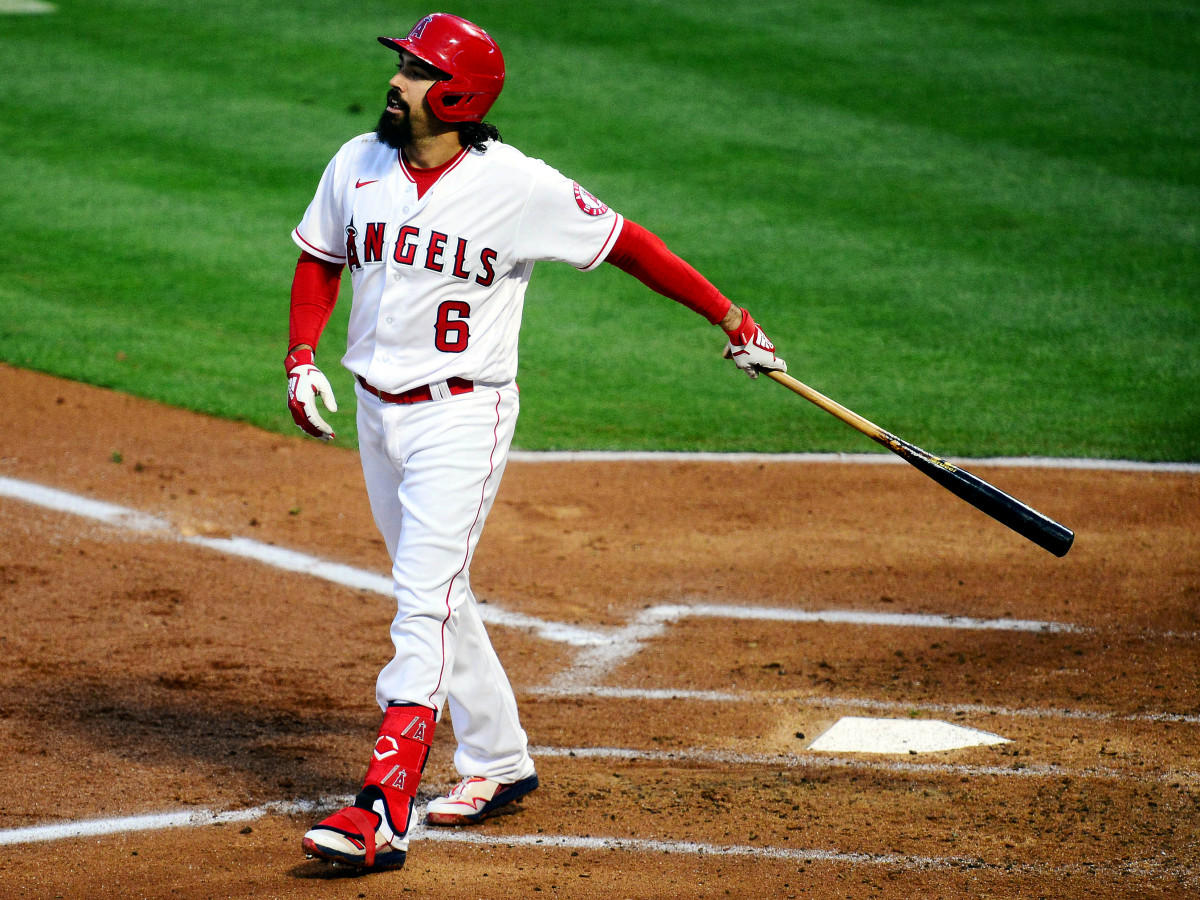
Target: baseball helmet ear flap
{"type": "Point", "coordinates": [466, 54]}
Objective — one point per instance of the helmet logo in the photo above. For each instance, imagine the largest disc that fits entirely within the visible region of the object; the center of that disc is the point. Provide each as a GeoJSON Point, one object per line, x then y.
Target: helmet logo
{"type": "Point", "coordinates": [419, 29]}
{"type": "Point", "coordinates": [588, 202]}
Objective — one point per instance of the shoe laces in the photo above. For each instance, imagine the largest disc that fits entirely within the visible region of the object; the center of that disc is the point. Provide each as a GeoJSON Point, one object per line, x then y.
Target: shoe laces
{"type": "Point", "coordinates": [458, 789]}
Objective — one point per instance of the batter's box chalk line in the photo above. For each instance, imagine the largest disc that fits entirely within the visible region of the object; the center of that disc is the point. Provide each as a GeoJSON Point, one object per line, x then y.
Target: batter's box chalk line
{"type": "Point", "coordinates": [1151, 868]}
{"type": "Point", "coordinates": [600, 649]}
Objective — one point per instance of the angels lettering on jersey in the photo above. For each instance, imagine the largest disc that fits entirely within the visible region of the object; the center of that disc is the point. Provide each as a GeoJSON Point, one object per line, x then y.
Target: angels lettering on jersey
{"type": "Point", "coordinates": [413, 246]}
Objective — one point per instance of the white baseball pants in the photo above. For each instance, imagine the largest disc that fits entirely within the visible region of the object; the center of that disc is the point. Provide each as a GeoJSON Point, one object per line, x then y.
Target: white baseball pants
{"type": "Point", "coordinates": [432, 470]}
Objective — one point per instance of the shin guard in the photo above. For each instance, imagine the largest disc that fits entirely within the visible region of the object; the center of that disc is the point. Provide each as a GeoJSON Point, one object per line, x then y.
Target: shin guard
{"type": "Point", "coordinates": [394, 774]}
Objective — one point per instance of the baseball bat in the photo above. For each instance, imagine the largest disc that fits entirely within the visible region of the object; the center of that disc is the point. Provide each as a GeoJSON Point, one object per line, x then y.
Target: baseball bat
{"type": "Point", "coordinates": [1007, 510]}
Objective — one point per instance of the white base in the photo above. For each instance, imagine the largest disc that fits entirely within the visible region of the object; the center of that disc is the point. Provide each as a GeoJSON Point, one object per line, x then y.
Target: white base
{"type": "Point", "coordinates": [856, 734]}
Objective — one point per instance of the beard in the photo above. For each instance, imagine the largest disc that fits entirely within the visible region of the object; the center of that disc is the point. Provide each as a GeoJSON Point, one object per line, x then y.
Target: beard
{"type": "Point", "coordinates": [394, 130]}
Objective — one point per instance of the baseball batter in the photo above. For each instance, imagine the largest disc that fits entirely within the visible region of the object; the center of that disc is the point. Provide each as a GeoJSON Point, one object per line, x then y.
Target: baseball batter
{"type": "Point", "coordinates": [440, 225]}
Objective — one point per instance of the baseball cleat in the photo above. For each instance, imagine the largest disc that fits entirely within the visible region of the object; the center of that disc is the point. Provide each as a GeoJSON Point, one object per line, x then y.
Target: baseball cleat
{"type": "Point", "coordinates": [474, 799]}
{"type": "Point", "coordinates": [354, 837]}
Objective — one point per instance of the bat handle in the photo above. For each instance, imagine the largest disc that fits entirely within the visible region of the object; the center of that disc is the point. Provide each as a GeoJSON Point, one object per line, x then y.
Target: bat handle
{"type": "Point", "coordinates": [849, 416]}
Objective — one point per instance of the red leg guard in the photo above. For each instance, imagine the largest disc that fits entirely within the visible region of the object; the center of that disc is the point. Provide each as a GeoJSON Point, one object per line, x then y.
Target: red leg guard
{"type": "Point", "coordinates": [373, 833]}
{"type": "Point", "coordinates": [398, 760]}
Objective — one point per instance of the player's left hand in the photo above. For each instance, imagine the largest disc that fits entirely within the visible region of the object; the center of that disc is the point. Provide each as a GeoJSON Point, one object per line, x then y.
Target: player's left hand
{"type": "Point", "coordinates": [305, 383]}
{"type": "Point", "coordinates": [751, 350]}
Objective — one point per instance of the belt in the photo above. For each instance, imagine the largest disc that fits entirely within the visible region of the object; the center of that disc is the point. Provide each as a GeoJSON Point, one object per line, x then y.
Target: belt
{"type": "Point", "coordinates": [420, 394]}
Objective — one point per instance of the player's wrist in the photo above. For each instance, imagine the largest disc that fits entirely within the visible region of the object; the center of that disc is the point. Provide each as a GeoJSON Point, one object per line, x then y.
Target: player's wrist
{"type": "Point", "coordinates": [300, 355]}
{"type": "Point", "coordinates": [741, 333]}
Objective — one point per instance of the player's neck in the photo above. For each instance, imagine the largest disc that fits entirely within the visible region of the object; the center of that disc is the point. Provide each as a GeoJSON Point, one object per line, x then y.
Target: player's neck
{"type": "Point", "coordinates": [431, 151]}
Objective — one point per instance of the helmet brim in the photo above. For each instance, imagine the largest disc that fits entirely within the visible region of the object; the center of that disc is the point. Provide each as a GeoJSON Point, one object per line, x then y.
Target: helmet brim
{"type": "Point", "coordinates": [399, 44]}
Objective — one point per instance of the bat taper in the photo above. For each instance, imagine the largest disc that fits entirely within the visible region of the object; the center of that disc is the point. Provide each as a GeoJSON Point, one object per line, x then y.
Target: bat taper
{"type": "Point", "coordinates": [1007, 510]}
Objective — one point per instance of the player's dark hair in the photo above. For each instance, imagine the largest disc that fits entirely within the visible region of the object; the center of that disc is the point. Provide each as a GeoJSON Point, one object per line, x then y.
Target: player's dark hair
{"type": "Point", "coordinates": [477, 134]}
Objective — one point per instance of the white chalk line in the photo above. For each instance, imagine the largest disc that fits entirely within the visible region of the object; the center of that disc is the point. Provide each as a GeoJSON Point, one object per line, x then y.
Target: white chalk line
{"type": "Point", "coordinates": [188, 818]}
{"type": "Point", "coordinates": [597, 659]}
{"type": "Point", "coordinates": [1149, 868]}
{"type": "Point", "coordinates": [881, 458]}
{"type": "Point", "coordinates": [277, 557]}
{"type": "Point", "coordinates": [76, 505]}
{"type": "Point", "coordinates": [813, 761]}
{"type": "Point", "coordinates": [201, 817]}
{"type": "Point", "coordinates": [670, 613]}
{"type": "Point", "coordinates": [621, 642]}
{"type": "Point", "coordinates": [601, 648]}
{"type": "Point", "coordinates": [655, 617]}
{"type": "Point", "coordinates": [1034, 712]}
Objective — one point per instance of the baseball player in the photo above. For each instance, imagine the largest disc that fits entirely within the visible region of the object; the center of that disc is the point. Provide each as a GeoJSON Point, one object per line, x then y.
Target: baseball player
{"type": "Point", "coordinates": [440, 224]}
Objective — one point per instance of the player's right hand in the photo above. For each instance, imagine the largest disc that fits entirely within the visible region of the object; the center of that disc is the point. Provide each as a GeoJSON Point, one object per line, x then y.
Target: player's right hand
{"type": "Point", "coordinates": [751, 350]}
{"type": "Point", "coordinates": [305, 383]}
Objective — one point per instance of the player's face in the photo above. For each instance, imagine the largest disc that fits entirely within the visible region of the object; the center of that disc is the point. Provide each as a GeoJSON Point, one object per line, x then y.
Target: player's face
{"type": "Point", "coordinates": [407, 114]}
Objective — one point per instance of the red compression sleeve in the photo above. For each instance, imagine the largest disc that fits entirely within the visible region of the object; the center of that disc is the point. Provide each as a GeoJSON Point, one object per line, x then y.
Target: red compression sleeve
{"type": "Point", "coordinates": [314, 294]}
{"type": "Point", "coordinates": [644, 256]}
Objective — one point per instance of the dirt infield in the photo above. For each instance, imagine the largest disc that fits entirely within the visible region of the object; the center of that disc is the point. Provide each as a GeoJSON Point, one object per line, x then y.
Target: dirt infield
{"type": "Point", "coordinates": [148, 672]}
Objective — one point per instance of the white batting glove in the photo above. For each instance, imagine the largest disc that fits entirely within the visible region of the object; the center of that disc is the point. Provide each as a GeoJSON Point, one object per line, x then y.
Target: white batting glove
{"type": "Point", "coordinates": [751, 350]}
{"type": "Point", "coordinates": [305, 383]}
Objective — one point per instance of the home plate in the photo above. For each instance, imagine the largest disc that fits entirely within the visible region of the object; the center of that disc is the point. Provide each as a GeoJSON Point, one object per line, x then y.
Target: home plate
{"type": "Point", "coordinates": [856, 734]}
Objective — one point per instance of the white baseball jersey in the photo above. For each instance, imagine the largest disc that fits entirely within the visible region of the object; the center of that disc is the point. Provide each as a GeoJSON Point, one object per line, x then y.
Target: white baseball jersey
{"type": "Point", "coordinates": [439, 282]}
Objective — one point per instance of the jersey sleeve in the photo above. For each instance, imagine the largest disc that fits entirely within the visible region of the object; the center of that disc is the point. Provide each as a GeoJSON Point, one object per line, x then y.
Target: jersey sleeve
{"type": "Point", "coordinates": [644, 256]}
{"type": "Point", "coordinates": [315, 287]}
{"type": "Point", "coordinates": [564, 222]}
{"type": "Point", "coordinates": [322, 232]}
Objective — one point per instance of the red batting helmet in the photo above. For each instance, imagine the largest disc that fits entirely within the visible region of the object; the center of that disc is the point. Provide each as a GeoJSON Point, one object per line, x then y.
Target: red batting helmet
{"type": "Point", "coordinates": [467, 54]}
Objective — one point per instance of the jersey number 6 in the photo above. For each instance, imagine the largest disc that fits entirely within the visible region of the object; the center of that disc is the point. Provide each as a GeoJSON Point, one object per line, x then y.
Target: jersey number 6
{"type": "Point", "coordinates": [451, 331]}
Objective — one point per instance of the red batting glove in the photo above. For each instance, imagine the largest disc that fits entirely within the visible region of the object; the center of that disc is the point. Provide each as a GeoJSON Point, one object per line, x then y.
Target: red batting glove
{"type": "Point", "coordinates": [751, 350]}
{"type": "Point", "coordinates": [305, 383]}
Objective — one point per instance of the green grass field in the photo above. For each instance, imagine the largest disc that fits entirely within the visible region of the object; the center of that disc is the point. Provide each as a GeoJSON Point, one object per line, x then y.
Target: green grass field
{"type": "Point", "coordinates": [975, 223]}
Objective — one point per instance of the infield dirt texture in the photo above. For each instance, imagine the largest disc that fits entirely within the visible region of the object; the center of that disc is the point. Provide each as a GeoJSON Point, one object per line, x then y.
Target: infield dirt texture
{"type": "Point", "coordinates": [142, 673]}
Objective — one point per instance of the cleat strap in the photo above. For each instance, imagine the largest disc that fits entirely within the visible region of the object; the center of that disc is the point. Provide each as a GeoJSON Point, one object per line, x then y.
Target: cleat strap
{"type": "Point", "coordinates": [365, 822]}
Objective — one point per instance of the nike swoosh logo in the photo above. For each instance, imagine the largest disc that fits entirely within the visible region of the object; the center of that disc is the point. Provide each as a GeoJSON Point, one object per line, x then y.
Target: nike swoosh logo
{"type": "Point", "coordinates": [365, 183]}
